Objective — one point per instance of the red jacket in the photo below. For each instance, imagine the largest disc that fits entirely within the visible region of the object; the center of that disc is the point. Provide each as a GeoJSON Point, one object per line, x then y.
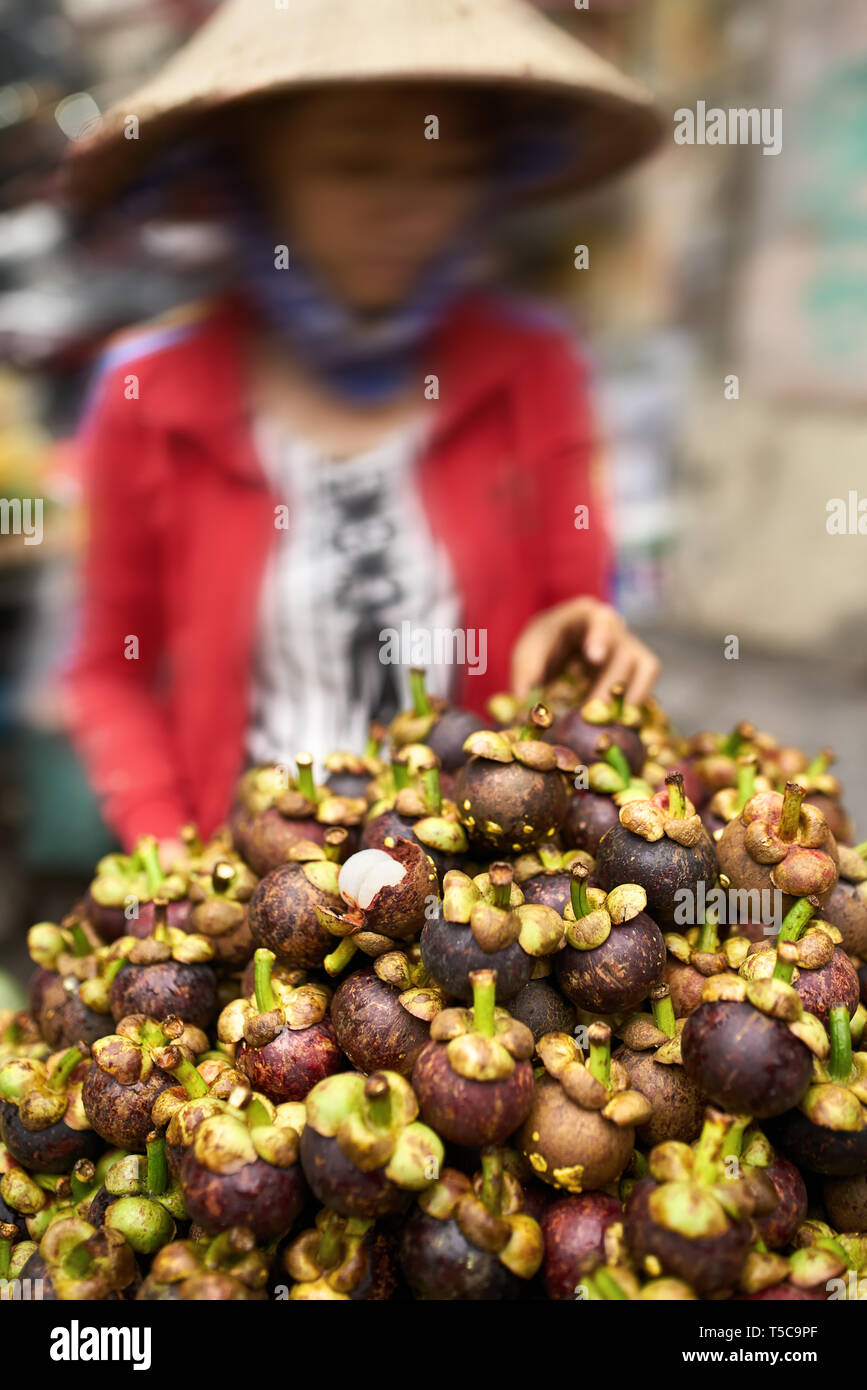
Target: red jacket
{"type": "Point", "coordinates": [181, 521]}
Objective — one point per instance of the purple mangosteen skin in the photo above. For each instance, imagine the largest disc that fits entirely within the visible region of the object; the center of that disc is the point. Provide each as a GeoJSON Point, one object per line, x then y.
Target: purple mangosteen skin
{"type": "Point", "coordinates": [373, 1028]}
{"type": "Point", "coordinates": [618, 974]}
{"type": "Point", "coordinates": [450, 732]}
{"type": "Point", "coordinates": [833, 1153]}
{"type": "Point", "coordinates": [548, 889]}
{"type": "Point", "coordinates": [744, 1061]}
{"type": "Point", "coordinates": [267, 1199]}
{"type": "Point", "coordinates": [121, 1115]}
{"type": "Point", "coordinates": [292, 1063]}
{"type": "Point", "coordinates": [165, 989]}
{"type": "Point", "coordinates": [336, 1182]}
{"type": "Point", "coordinates": [777, 1228]}
{"type": "Point", "coordinates": [590, 816]}
{"type": "Point", "coordinates": [65, 1020]}
{"type": "Point", "coordinates": [54, 1149]}
{"type": "Point", "coordinates": [466, 1112]}
{"type": "Point", "coordinates": [439, 1263]}
{"type": "Point", "coordinates": [574, 1230]}
{"type": "Point", "coordinates": [785, 1293]}
{"type": "Point", "coordinates": [709, 1266]}
{"type": "Point", "coordinates": [449, 951]}
{"type": "Point", "coordinates": [830, 986]}
{"type": "Point", "coordinates": [661, 867]}
{"type": "Point", "coordinates": [543, 1009]}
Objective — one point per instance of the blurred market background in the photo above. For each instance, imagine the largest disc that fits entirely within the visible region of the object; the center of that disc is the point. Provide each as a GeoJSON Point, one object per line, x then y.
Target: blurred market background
{"type": "Point", "coordinates": [708, 262]}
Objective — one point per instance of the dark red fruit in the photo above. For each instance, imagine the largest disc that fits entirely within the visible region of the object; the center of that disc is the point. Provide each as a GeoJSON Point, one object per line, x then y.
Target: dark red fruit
{"type": "Point", "coordinates": [574, 1229]}
{"type": "Point", "coordinates": [743, 1060]}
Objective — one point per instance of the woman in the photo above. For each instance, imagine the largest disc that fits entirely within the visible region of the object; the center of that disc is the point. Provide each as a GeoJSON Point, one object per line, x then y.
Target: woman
{"type": "Point", "coordinates": [353, 443]}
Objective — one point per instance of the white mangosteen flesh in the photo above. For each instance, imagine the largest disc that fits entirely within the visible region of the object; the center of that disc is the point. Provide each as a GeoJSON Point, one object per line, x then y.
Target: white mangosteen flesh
{"type": "Point", "coordinates": [365, 874]}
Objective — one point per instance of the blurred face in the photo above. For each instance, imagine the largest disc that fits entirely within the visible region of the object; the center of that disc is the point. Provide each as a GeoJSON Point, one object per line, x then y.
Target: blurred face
{"type": "Point", "coordinates": [354, 185]}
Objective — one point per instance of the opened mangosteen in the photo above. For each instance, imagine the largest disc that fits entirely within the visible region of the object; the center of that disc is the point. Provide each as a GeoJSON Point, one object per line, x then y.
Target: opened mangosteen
{"type": "Point", "coordinates": [827, 1133]}
{"type": "Point", "coordinates": [512, 795]}
{"type": "Point", "coordinates": [283, 1039]}
{"type": "Point", "coordinates": [125, 1078]}
{"type": "Point", "coordinates": [77, 1263]}
{"type": "Point", "coordinates": [474, 1080]}
{"type": "Point", "coordinates": [443, 727]}
{"type": "Point", "coordinates": [575, 1230]}
{"type": "Point", "coordinates": [227, 1268]}
{"type": "Point", "coordinates": [581, 729]}
{"type": "Point", "coordinates": [166, 974]}
{"type": "Point", "coordinates": [388, 893]}
{"type": "Point", "coordinates": [382, 1015]}
{"type": "Point", "coordinates": [363, 1149]}
{"type": "Point", "coordinates": [470, 1239]}
{"type": "Point", "coordinates": [580, 1131]}
{"type": "Point", "coordinates": [614, 953]}
{"type": "Point", "coordinates": [274, 815]}
{"type": "Point", "coordinates": [661, 845]}
{"type": "Point", "coordinates": [651, 1058]}
{"type": "Point", "coordinates": [242, 1166]}
{"type": "Point", "coordinates": [777, 843]}
{"type": "Point", "coordinates": [42, 1119]}
{"type": "Point", "coordinates": [690, 1218]}
{"type": "Point", "coordinates": [345, 1258]}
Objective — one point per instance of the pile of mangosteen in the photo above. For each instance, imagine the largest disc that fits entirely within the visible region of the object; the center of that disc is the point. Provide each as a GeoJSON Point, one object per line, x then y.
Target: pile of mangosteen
{"type": "Point", "coordinates": [550, 1003]}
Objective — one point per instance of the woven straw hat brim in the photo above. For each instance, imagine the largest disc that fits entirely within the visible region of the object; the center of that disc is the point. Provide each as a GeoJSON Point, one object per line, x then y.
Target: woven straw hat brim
{"type": "Point", "coordinates": [255, 49]}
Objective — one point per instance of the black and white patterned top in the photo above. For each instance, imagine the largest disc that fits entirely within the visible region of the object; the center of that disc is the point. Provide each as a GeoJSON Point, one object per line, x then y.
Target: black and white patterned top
{"type": "Point", "coordinates": [356, 558]}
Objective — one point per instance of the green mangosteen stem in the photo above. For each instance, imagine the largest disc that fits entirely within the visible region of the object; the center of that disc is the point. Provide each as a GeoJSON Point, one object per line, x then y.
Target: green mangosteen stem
{"type": "Point", "coordinates": [733, 1142]}
{"type": "Point", "coordinates": [616, 758]}
{"type": "Point", "coordinates": [185, 1073]}
{"type": "Point", "coordinates": [222, 876]}
{"type": "Point", "coordinates": [421, 705]}
{"type": "Point", "coordinates": [840, 1064]}
{"type": "Point", "coordinates": [330, 1249]}
{"type": "Point", "coordinates": [790, 814]}
{"type": "Point", "coordinates": [492, 1180]}
{"type": "Point", "coordinates": [608, 1287]}
{"type": "Point", "coordinates": [263, 964]}
{"type": "Point", "coordinates": [794, 923]}
{"type": "Point", "coordinates": [80, 944]}
{"type": "Point", "coordinates": [63, 1069]}
{"type": "Point", "coordinates": [161, 920]}
{"type": "Point", "coordinates": [399, 773]}
{"type": "Point", "coordinates": [375, 736]}
{"type": "Point", "coordinates": [114, 967]}
{"type": "Point", "coordinates": [255, 1113]}
{"type": "Point", "coordinates": [861, 849]}
{"type": "Point", "coordinates": [708, 933]}
{"type": "Point", "coordinates": [484, 983]}
{"type": "Point", "coordinates": [306, 785]}
{"type": "Point", "coordinates": [746, 779]}
{"type": "Point", "coordinates": [335, 839]}
{"type": "Point", "coordinates": [618, 695]}
{"type": "Point", "coordinates": [549, 857]}
{"type": "Point", "coordinates": [709, 1146]}
{"type": "Point", "coordinates": [539, 720]}
{"type": "Point", "coordinates": [500, 876]}
{"type": "Point", "coordinates": [820, 763]}
{"type": "Point", "coordinates": [638, 1164]}
{"type": "Point", "coordinates": [149, 857]}
{"type": "Point", "coordinates": [581, 904]}
{"type": "Point", "coordinates": [377, 1094]}
{"type": "Point", "coordinates": [663, 1010]}
{"type": "Point", "coordinates": [157, 1177]}
{"type": "Point", "coordinates": [8, 1232]}
{"type": "Point", "coordinates": [221, 1252]}
{"type": "Point", "coordinates": [433, 792]}
{"type": "Point", "coordinates": [599, 1062]}
{"type": "Point", "coordinates": [340, 957]}
{"type": "Point", "coordinates": [731, 746]}
{"type": "Point", "coordinates": [676, 796]}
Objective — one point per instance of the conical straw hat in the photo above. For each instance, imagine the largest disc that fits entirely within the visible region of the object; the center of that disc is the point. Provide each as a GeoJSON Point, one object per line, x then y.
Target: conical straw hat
{"type": "Point", "coordinates": [259, 48]}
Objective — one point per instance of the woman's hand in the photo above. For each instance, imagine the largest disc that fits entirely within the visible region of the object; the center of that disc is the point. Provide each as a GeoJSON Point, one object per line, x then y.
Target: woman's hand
{"type": "Point", "coordinates": [597, 634]}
